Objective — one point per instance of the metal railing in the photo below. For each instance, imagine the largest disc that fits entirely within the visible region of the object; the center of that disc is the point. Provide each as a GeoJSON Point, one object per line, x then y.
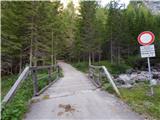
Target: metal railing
{"type": "Point", "coordinates": [33, 71]}
{"type": "Point", "coordinates": [96, 73]}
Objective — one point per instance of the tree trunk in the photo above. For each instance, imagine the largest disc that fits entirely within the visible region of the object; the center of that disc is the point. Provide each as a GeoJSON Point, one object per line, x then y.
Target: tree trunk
{"type": "Point", "coordinates": [128, 52]}
{"type": "Point", "coordinates": [55, 58]}
{"type": "Point", "coordinates": [119, 56]}
{"type": "Point", "coordinates": [52, 56]}
{"type": "Point", "coordinates": [99, 57]}
{"type": "Point", "coordinates": [89, 58]}
{"type": "Point", "coordinates": [79, 59]}
{"type": "Point", "coordinates": [11, 68]}
{"type": "Point", "coordinates": [93, 60]}
{"type": "Point", "coordinates": [35, 55]}
{"type": "Point", "coordinates": [111, 49]}
{"type": "Point", "coordinates": [20, 63]}
{"type": "Point", "coordinates": [31, 44]}
{"type": "Point", "coordinates": [83, 57]}
{"type": "Point", "coordinates": [43, 61]}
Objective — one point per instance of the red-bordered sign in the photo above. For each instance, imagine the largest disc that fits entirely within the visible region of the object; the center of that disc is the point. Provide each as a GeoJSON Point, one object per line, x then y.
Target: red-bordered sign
{"type": "Point", "coordinates": [146, 38]}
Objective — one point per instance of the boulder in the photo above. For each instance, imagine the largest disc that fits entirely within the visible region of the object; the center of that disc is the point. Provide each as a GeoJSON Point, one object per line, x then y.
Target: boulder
{"type": "Point", "coordinates": [131, 78]}
{"type": "Point", "coordinates": [126, 86]}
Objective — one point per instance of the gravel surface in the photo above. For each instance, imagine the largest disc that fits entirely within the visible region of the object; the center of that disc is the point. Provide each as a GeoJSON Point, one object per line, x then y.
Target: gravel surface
{"type": "Point", "coordinates": [75, 97]}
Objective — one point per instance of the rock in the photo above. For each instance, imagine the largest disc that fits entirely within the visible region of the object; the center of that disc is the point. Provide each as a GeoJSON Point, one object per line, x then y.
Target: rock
{"type": "Point", "coordinates": [119, 82]}
{"type": "Point", "coordinates": [138, 72]}
{"type": "Point", "coordinates": [126, 86]}
{"type": "Point", "coordinates": [153, 82]}
{"type": "Point", "coordinates": [129, 71]}
{"type": "Point", "coordinates": [132, 77]}
{"type": "Point", "coordinates": [124, 77]}
{"type": "Point", "coordinates": [156, 75]}
{"type": "Point", "coordinates": [154, 70]}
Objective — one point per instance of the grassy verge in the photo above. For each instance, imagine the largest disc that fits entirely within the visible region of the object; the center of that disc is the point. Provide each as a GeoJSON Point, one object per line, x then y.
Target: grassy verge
{"type": "Point", "coordinates": [18, 106]}
{"type": "Point", "coordinates": [6, 83]}
{"type": "Point", "coordinates": [113, 68]}
{"type": "Point", "coordinates": [82, 66]}
{"type": "Point", "coordinates": [137, 97]}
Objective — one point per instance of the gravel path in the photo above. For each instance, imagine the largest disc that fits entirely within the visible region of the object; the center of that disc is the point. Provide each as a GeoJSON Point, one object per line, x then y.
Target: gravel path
{"type": "Point", "coordinates": [75, 97]}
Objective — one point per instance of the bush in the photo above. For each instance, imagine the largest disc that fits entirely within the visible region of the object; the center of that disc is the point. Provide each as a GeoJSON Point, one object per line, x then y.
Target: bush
{"type": "Point", "coordinates": [136, 62]}
{"type": "Point", "coordinates": [18, 105]}
{"type": "Point", "coordinates": [16, 108]}
{"type": "Point", "coordinates": [114, 68]}
{"type": "Point", "coordinates": [82, 66]}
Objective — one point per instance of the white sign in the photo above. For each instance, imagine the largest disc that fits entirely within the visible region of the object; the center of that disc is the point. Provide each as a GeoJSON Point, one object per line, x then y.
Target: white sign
{"type": "Point", "coordinates": [147, 51]}
{"type": "Point", "coordinates": [146, 38]}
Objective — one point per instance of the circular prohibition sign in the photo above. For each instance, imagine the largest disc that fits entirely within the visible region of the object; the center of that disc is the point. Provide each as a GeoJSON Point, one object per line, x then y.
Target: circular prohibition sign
{"type": "Point", "coordinates": [146, 38]}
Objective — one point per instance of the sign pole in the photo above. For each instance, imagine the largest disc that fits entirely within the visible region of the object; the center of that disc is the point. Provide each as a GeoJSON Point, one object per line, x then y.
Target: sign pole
{"type": "Point", "coordinates": [146, 38]}
{"type": "Point", "coordinates": [150, 74]}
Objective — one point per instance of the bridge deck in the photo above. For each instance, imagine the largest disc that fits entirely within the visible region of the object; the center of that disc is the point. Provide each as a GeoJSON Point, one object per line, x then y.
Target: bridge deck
{"type": "Point", "coordinates": [75, 97]}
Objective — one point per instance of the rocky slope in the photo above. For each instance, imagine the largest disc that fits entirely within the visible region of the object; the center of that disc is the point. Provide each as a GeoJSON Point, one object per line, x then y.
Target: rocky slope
{"type": "Point", "coordinates": [153, 5]}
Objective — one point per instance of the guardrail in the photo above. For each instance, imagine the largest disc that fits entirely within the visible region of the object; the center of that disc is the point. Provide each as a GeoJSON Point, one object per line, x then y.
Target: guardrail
{"type": "Point", "coordinates": [33, 71]}
{"type": "Point", "coordinates": [97, 72]}
{"type": "Point", "coordinates": [35, 79]}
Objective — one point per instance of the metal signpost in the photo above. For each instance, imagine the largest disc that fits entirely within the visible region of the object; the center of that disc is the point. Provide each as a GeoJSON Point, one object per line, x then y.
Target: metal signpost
{"type": "Point", "coordinates": [146, 38]}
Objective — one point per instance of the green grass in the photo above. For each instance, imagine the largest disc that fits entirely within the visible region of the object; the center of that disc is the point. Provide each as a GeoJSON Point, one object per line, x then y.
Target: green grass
{"type": "Point", "coordinates": [6, 83]}
{"type": "Point", "coordinates": [113, 68]}
{"type": "Point", "coordinates": [138, 98]}
{"type": "Point", "coordinates": [18, 106]}
{"type": "Point", "coordinates": [82, 66]}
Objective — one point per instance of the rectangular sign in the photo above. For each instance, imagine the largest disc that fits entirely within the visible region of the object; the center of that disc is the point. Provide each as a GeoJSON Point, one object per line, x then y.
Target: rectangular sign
{"type": "Point", "coordinates": [147, 51]}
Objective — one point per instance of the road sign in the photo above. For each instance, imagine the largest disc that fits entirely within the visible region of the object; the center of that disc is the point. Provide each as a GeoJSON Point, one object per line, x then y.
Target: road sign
{"type": "Point", "coordinates": [146, 38]}
{"type": "Point", "coordinates": [147, 51]}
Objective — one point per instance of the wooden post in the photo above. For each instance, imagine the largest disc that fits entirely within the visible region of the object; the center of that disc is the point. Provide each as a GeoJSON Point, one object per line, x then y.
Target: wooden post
{"type": "Point", "coordinates": [35, 84]}
{"type": "Point", "coordinates": [89, 73]}
{"type": "Point", "coordinates": [58, 71]}
{"type": "Point", "coordinates": [49, 75]}
{"type": "Point", "coordinates": [100, 78]}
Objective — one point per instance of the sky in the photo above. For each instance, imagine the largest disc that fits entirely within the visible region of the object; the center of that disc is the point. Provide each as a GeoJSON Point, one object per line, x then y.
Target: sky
{"type": "Point", "coordinates": [103, 2]}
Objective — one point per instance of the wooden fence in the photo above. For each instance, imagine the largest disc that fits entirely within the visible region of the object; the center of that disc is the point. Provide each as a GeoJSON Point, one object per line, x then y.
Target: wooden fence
{"type": "Point", "coordinates": [97, 72]}
{"type": "Point", "coordinates": [33, 71]}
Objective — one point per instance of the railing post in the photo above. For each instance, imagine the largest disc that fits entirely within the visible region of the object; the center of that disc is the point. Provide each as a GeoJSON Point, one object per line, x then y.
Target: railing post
{"type": "Point", "coordinates": [89, 73]}
{"type": "Point", "coordinates": [99, 78]}
{"type": "Point", "coordinates": [111, 81]}
{"type": "Point", "coordinates": [35, 83]}
{"type": "Point", "coordinates": [49, 74]}
{"type": "Point", "coordinates": [58, 71]}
